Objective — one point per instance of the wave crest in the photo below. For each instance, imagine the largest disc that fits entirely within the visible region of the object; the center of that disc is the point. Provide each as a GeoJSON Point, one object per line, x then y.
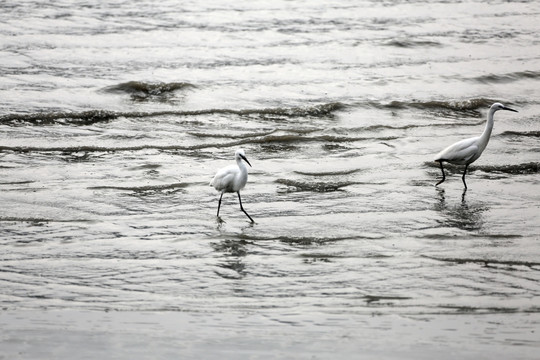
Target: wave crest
{"type": "Point", "coordinates": [521, 133]}
{"type": "Point", "coordinates": [472, 105]}
{"type": "Point", "coordinates": [408, 43]}
{"type": "Point", "coordinates": [507, 78]}
{"type": "Point", "coordinates": [143, 91]}
{"type": "Point", "coordinates": [513, 169]}
{"type": "Point", "coordinates": [73, 118]}
{"type": "Point", "coordinates": [295, 185]}
{"type": "Point", "coordinates": [95, 116]}
{"type": "Point", "coordinates": [518, 169]}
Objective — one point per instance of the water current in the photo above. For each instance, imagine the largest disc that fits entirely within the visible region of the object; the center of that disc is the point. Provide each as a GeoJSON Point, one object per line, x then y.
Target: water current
{"type": "Point", "coordinates": [115, 116]}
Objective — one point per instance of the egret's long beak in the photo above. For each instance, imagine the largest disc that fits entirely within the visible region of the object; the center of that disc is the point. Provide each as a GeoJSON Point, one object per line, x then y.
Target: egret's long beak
{"type": "Point", "coordinates": [507, 108]}
{"type": "Point", "coordinates": [246, 160]}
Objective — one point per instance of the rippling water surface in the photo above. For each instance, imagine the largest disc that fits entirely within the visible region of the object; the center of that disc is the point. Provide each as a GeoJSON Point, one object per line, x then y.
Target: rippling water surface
{"type": "Point", "coordinates": [114, 118]}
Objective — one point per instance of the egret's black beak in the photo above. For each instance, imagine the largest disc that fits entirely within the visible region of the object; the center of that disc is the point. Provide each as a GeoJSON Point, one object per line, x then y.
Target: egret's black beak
{"type": "Point", "coordinates": [507, 108]}
{"type": "Point", "coordinates": [246, 160]}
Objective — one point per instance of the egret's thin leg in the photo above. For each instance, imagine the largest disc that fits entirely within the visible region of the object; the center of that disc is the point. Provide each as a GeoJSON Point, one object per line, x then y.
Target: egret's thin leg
{"type": "Point", "coordinates": [219, 204]}
{"type": "Point", "coordinates": [463, 177]}
{"type": "Point", "coordinates": [242, 208]}
{"type": "Point", "coordinates": [443, 176]}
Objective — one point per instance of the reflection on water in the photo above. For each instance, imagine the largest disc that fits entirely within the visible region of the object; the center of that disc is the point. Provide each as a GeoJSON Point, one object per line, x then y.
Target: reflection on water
{"type": "Point", "coordinates": [232, 252]}
{"type": "Point", "coordinates": [462, 215]}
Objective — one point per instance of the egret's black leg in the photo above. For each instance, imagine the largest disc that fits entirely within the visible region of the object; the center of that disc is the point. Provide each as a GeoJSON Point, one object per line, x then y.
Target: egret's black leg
{"type": "Point", "coordinates": [443, 176]}
{"type": "Point", "coordinates": [463, 177]}
{"type": "Point", "coordinates": [219, 204]}
{"type": "Point", "coordinates": [242, 208]}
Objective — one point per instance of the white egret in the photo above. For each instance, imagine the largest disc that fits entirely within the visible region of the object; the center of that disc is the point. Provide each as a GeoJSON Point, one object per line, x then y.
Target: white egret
{"type": "Point", "coordinates": [467, 151]}
{"type": "Point", "coordinates": [232, 178]}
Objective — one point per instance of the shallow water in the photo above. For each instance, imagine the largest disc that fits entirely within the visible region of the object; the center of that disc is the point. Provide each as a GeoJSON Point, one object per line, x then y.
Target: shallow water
{"type": "Point", "coordinates": [114, 118]}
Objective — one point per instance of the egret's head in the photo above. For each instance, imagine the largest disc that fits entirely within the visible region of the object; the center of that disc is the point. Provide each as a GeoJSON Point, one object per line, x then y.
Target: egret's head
{"type": "Point", "coordinates": [240, 155]}
{"type": "Point", "coordinates": [498, 106]}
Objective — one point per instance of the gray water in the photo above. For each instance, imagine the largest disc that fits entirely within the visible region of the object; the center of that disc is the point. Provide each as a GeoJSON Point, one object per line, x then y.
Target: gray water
{"type": "Point", "coordinates": [114, 118]}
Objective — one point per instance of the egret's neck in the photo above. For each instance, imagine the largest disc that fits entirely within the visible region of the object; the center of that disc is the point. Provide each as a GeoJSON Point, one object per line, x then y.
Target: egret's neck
{"type": "Point", "coordinates": [484, 138]}
{"type": "Point", "coordinates": [241, 165]}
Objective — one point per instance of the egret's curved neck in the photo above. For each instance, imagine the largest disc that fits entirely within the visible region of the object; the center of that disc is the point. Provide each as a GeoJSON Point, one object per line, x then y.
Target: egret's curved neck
{"type": "Point", "coordinates": [241, 165]}
{"type": "Point", "coordinates": [484, 138]}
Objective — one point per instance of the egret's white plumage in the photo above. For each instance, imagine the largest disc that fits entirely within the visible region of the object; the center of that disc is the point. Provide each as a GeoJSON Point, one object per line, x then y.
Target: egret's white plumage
{"type": "Point", "coordinates": [467, 151]}
{"type": "Point", "coordinates": [232, 178]}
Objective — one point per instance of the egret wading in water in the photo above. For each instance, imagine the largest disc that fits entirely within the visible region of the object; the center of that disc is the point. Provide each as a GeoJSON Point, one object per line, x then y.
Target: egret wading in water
{"type": "Point", "coordinates": [467, 151]}
{"type": "Point", "coordinates": [232, 178]}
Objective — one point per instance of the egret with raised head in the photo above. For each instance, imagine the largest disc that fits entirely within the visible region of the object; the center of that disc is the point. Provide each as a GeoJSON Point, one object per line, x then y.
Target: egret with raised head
{"type": "Point", "coordinates": [232, 178]}
{"type": "Point", "coordinates": [467, 151]}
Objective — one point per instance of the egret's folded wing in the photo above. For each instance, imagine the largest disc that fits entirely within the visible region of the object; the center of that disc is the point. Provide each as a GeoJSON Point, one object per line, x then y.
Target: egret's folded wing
{"type": "Point", "coordinates": [465, 155]}
{"type": "Point", "coordinates": [224, 177]}
{"type": "Point", "coordinates": [460, 152]}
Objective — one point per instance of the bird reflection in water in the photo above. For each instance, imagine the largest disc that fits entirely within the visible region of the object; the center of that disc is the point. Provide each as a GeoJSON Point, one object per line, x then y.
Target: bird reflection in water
{"type": "Point", "coordinates": [233, 252]}
{"type": "Point", "coordinates": [463, 215]}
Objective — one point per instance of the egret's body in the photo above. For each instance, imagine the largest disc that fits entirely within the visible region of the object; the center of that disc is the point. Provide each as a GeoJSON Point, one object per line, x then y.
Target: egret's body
{"type": "Point", "coordinates": [467, 151]}
{"type": "Point", "coordinates": [232, 179]}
